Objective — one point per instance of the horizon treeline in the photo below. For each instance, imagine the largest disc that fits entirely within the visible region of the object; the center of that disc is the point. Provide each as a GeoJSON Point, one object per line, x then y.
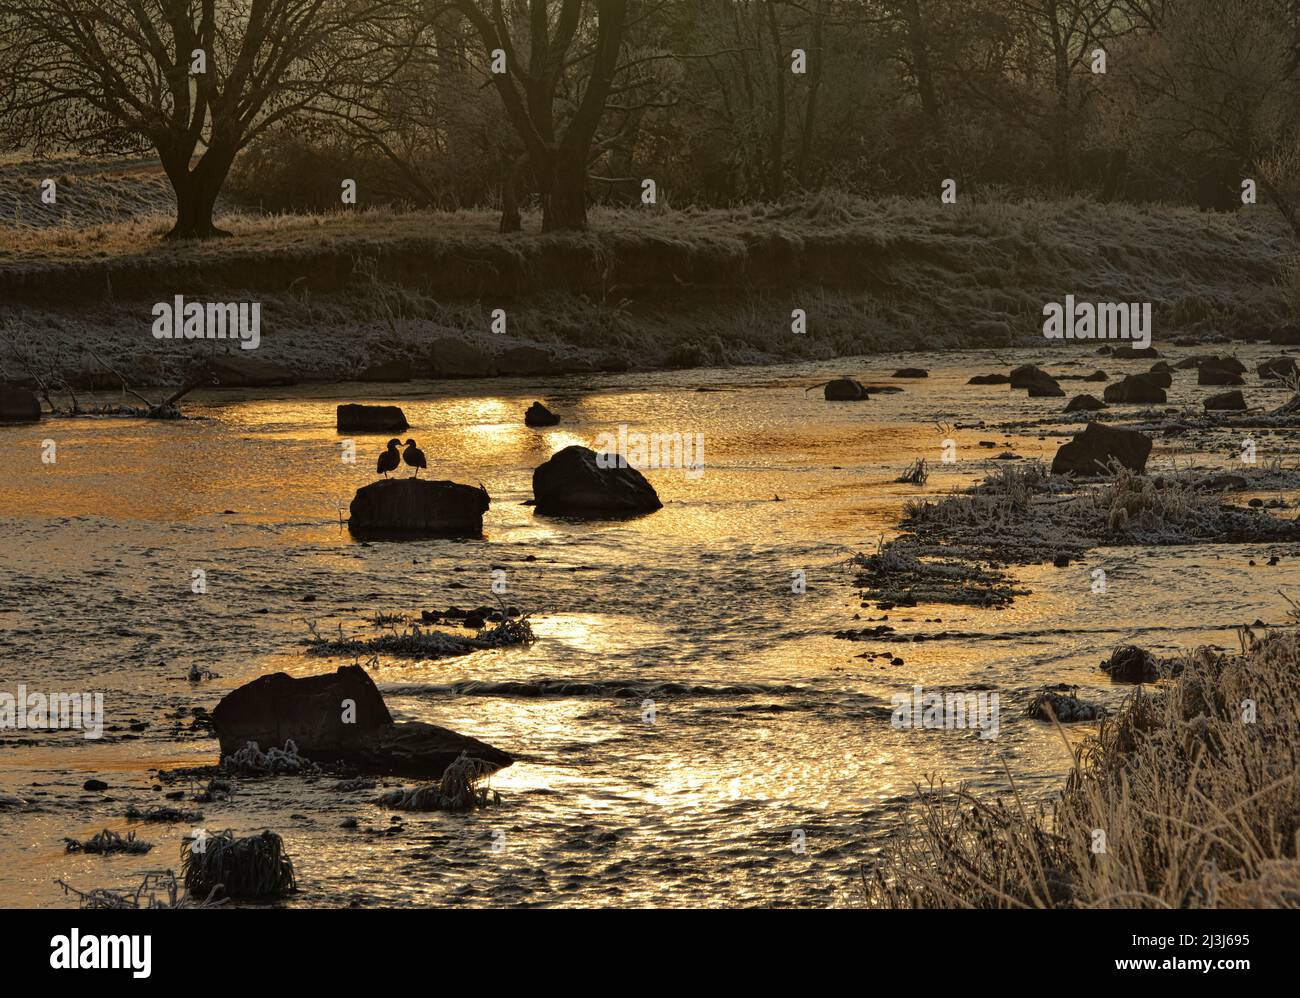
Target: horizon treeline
{"type": "Point", "coordinates": [515, 104]}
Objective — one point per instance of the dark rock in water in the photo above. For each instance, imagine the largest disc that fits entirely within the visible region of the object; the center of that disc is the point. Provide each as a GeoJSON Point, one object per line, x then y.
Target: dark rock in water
{"type": "Point", "coordinates": [454, 358]}
{"type": "Point", "coordinates": [18, 405]}
{"type": "Point", "coordinates": [1188, 363]}
{"type": "Point", "coordinates": [845, 390]}
{"type": "Point", "coordinates": [1222, 482]}
{"type": "Point", "coordinates": [911, 372]}
{"type": "Point", "coordinates": [1105, 351]}
{"type": "Point", "coordinates": [418, 507]}
{"type": "Point", "coordinates": [525, 360]}
{"type": "Point", "coordinates": [539, 415]}
{"type": "Point", "coordinates": [990, 379]}
{"type": "Point", "coordinates": [1127, 351]}
{"type": "Point", "coordinates": [1163, 379]}
{"type": "Point", "coordinates": [354, 418]}
{"type": "Point", "coordinates": [1091, 451]}
{"type": "Point", "coordinates": [1278, 367]}
{"type": "Point", "coordinates": [387, 371]}
{"type": "Point", "coordinates": [1136, 388]}
{"type": "Point", "coordinates": [233, 371]}
{"type": "Point", "coordinates": [1161, 366]}
{"type": "Point", "coordinates": [311, 712]}
{"type": "Point", "coordinates": [1284, 336]}
{"type": "Point", "coordinates": [94, 785]}
{"type": "Point", "coordinates": [1039, 382]}
{"type": "Point", "coordinates": [1085, 403]}
{"type": "Point", "coordinates": [1226, 401]}
{"type": "Point", "coordinates": [1221, 371]}
{"type": "Point", "coordinates": [1131, 664]}
{"type": "Point", "coordinates": [573, 483]}
{"type": "Point", "coordinates": [1063, 706]}
{"type": "Point", "coordinates": [1061, 561]}
{"type": "Point", "coordinates": [1097, 376]}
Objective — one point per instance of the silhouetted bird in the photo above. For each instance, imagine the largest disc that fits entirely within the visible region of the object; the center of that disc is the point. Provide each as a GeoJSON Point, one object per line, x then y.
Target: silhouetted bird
{"type": "Point", "coordinates": [414, 457]}
{"type": "Point", "coordinates": [390, 459]}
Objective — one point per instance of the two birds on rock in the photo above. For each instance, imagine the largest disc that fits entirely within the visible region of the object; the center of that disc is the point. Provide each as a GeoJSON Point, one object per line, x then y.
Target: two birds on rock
{"type": "Point", "coordinates": [390, 459]}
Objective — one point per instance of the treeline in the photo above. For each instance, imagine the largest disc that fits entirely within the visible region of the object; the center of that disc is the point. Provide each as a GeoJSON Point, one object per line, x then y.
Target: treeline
{"type": "Point", "coordinates": [560, 104]}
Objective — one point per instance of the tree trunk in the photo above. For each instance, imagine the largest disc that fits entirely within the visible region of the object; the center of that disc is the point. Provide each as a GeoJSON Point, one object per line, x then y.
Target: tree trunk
{"type": "Point", "coordinates": [511, 221]}
{"type": "Point", "coordinates": [196, 195]}
{"type": "Point", "coordinates": [564, 194]}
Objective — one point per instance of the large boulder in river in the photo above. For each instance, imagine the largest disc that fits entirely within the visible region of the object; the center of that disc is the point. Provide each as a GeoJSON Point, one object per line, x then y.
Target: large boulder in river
{"type": "Point", "coordinates": [579, 482]}
{"type": "Point", "coordinates": [1092, 451]}
{"type": "Point", "coordinates": [311, 712]}
{"type": "Point", "coordinates": [1136, 388]}
{"type": "Point", "coordinates": [844, 390]}
{"type": "Point", "coordinates": [539, 415]}
{"type": "Point", "coordinates": [355, 418]}
{"type": "Point", "coordinates": [18, 405]}
{"type": "Point", "coordinates": [418, 507]}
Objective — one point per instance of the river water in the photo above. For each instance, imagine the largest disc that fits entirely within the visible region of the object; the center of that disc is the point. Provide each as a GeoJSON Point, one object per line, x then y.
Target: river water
{"type": "Point", "coordinates": [768, 771]}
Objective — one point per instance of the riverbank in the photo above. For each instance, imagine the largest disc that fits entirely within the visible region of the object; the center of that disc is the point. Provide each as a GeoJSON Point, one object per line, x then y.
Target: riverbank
{"type": "Point", "coordinates": [385, 295]}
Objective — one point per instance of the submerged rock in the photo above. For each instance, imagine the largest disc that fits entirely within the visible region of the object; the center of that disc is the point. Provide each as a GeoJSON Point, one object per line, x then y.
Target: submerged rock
{"type": "Point", "coordinates": [1161, 378]}
{"type": "Point", "coordinates": [990, 379]}
{"type": "Point", "coordinates": [1131, 664]}
{"type": "Point", "coordinates": [1097, 376]}
{"type": "Point", "coordinates": [1135, 389]}
{"type": "Point", "coordinates": [539, 415]}
{"type": "Point", "coordinates": [1091, 451]}
{"type": "Point", "coordinates": [1226, 401]}
{"type": "Point", "coordinates": [1221, 371]}
{"type": "Point", "coordinates": [911, 372]}
{"type": "Point", "coordinates": [573, 483]}
{"type": "Point", "coordinates": [1031, 377]}
{"type": "Point", "coordinates": [311, 712]}
{"type": "Point", "coordinates": [355, 418]}
{"type": "Point", "coordinates": [418, 506]}
{"type": "Point", "coordinates": [1128, 351]}
{"type": "Point", "coordinates": [18, 405]}
{"type": "Point", "coordinates": [845, 390]}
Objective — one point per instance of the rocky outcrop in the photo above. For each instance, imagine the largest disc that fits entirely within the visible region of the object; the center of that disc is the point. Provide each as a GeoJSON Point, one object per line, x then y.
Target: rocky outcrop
{"type": "Point", "coordinates": [354, 418]}
{"type": "Point", "coordinates": [340, 717]}
{"type": "Point", "coordinates": [418, 507]}
{"type": "Point", "coordinates": [1092, 451]}
{"type": "Point", "coordinates": [574, 483]}
{"type": "Point", "coordinates": [539, 415]}
{"type": "Point", "coordinates": [18, 405]}
{"type": "Point", "coordinates": [1135, 389]}
{"type": "Point", "coordinates": [844, 390]}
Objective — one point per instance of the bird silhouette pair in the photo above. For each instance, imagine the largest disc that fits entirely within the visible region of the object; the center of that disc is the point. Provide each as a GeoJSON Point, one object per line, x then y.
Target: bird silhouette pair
{"type": "Point", "coordinates": [390, 459]}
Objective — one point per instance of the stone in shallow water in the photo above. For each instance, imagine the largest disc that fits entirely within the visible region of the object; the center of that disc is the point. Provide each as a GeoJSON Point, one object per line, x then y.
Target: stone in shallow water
{"type": "Point", "coordinates": [1231, 401]}
{"type": "Point", "coordinates": [418, 507]}
{"type": "Point", "coordinates": [539, 415]}
{"type": "Point", "coordinates": [310, 711]}
{"type": "Point", "coordinates": [1091, 451]}
{"type": "Point", "coordinates": [573, 483]}
{"type": "Point", "coordinates": [844, 390]}
{"type": "Point", "coordinates": [1135, 390]}
{"type": "Point", "coordinates": [355, 418]}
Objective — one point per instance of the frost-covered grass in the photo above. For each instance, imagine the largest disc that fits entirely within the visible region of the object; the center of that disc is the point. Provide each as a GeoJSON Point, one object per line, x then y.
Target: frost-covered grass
{"type": "Point", "coordinates": [1199, 809]}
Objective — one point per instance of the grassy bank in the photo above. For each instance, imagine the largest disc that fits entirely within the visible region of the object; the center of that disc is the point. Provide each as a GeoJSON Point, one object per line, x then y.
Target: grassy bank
{"type": "Point", "coordinates": [649, 287]}
{"type": "Point", "coordinates": [1198, 806]}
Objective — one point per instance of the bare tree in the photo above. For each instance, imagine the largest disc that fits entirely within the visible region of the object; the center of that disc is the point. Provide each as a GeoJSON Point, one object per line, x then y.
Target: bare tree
{"type": "Point", "coordinates": [541, 56]}
{"type": "Point", "coordinates": [196, 80]}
